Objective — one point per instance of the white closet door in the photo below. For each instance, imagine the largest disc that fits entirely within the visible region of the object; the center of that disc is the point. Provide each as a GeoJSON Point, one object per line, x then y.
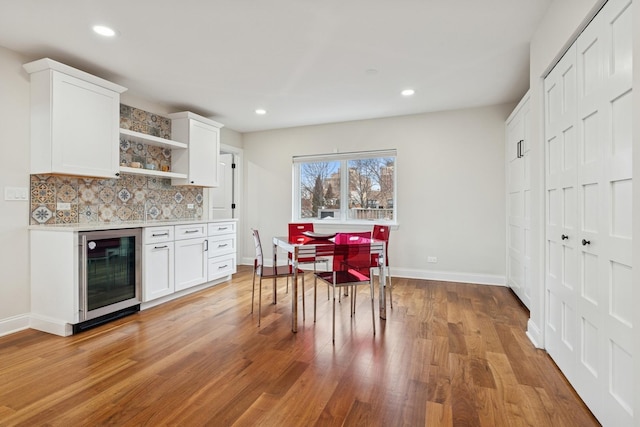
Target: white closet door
{"type": "Point", "coordinates": [589, 312]}
{"type": "Point", "coordinates": [561, 195]}
{"type": "Point", "coordinates": [518, 202]}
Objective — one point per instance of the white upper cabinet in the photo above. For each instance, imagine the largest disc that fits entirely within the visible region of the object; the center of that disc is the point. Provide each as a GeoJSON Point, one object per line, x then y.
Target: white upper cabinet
{"type": "Point", "coordinates": [75, 121]}
{"type": "Point", "coordinates": [200, 160]}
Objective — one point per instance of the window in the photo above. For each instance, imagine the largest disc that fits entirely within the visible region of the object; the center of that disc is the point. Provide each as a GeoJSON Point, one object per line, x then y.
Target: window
{"type": "Point", "coordinates": [359, 186]}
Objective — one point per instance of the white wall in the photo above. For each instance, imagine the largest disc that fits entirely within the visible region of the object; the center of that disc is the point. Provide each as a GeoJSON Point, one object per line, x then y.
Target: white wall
{"type": "Point", "coordinates": [14, 215]}
{"type": "Point", "coordinates": [450, 187]}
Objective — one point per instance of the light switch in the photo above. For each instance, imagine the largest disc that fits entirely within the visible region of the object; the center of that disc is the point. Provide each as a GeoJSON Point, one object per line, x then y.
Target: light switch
{"type": "Point", "coordinates": [16, 193]}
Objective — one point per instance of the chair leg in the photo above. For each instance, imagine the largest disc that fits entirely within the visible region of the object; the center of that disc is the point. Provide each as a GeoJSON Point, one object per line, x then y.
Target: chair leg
{"type": "Point", "coordinates": [373, 314]}
{"type": "Point", "coordinates": [326, 266]}
{"type": "Point", "coordinates": [253, 290]}
{"type": "Point", "coordinates": [304, 310]}
{"type": "Point", "coordinates": [390, 287]}
{"type": "Point", "coordinates": [259, 301]}
{"type": "Point", "coordinates": [333, 322]}
{"type": "Point", "coordinates": [315, 294]}
{"type": "Point", "coordinates": [353, 300]}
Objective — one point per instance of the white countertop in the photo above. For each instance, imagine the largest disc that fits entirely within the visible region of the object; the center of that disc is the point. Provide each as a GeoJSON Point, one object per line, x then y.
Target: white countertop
{"type": "Point", "coordinates": [121, 225]}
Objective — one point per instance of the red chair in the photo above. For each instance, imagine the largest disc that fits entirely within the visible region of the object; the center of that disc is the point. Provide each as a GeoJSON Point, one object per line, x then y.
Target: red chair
{"type": "Point", "coordinates": [274, 272]}
{"type": "Point", "coordinates": [351, 267]}
{"type": "Point", "coordinates": [382, 232]}
{"type": "Point", "coordinates": [296, 230]}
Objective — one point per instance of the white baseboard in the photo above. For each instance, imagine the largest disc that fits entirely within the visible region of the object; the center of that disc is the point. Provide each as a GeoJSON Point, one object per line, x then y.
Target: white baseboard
{"type": "Point", "coordinates": [534, 333]}
{"type": "Point", "coordinates": [51, 326]}
{"type": "Point", "coordinates": [161, 300]}
{"type": "Point", "coordinates": [14, 324]}
{"type": "Point", "coordinates": [449, 276]}
{"type": "Point", "coordinates": [444, 276]}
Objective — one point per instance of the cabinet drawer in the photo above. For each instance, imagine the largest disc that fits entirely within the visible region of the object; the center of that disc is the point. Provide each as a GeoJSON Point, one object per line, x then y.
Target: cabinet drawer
{"type": "Point", "coordinates": [216, 228]}
{"type": "Point", "coordinates": [158, 234]}
{"type": "Point", "coordinates": [190, 231]}
{"type": "Point", "coordinates": [221, 266]}
{"type": "Point", "coordinates": [220, 245]}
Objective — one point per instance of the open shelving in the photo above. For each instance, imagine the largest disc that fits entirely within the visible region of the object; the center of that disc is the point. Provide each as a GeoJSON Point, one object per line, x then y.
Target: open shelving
{"type": "Point", "coordinates": [156, 141]}
{"type": "Point", "coordinates": [138, 137]}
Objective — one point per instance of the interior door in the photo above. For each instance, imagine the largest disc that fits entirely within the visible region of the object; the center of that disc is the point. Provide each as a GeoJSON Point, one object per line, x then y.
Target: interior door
{"type": "Point", "coordinates": [222, 197]}
{"type": "Point", "coordinates": [588, 226]}
{"type": "Point", "coordinates": [518, 204]}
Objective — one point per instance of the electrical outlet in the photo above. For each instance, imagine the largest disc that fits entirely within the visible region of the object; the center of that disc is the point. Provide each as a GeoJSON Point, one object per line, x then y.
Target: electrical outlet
{"type": "Point", "coordinates": [432, 259]}
{"type": "Point", "coordinates": [63, 206]}
{"type": "Point", "coordinates": [190, 206]}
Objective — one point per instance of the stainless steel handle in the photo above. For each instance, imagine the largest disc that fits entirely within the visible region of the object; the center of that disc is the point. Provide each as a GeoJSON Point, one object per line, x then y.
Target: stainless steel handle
{"type": "Point", "coordinates": [159, 234]}
{"type": "Point", "coordinates": [223, 245]}
{"type": "Point", "coordinates": [223, 266]}
{"type": "Point", "coordinates": [190, 231]}
{"type": "Point", "coordinates": [206, 245]}
{"type": "Point", "coordinates": [222, 228]}
{"type": "Point", "coordinates": [84, 260]}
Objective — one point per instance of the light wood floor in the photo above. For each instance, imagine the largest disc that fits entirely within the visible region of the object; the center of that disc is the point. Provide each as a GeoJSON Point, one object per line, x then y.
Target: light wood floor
{"type": "Point", "coordinates": [448, 354]}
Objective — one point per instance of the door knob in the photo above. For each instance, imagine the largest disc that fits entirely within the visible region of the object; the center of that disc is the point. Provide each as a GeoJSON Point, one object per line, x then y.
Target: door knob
{"type": "Point", "coordinates": [565, 237]}
{"type": "Point", "coordinates": [586, 242]}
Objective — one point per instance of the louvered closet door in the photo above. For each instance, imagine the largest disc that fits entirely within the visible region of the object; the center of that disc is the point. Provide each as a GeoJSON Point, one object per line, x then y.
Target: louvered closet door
{"type": "Point", "coordinates": [589, 312]}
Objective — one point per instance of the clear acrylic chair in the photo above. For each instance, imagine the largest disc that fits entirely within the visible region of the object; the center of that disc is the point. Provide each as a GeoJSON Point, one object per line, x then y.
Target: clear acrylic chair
{"type": "Point", "coordinates": [351, 268]}
{"type": "Point", "coordinates": [264, 272]}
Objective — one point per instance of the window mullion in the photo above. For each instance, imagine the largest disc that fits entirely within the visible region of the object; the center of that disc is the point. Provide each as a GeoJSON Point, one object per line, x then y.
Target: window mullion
{"type": "Point", "coordinates": [344, 190]}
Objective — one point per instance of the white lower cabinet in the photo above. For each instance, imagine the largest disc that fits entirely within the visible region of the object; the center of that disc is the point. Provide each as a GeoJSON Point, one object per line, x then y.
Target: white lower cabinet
{"type": "Point", "coordinates": [183, 256]}
{"type": "Point", "coordinates": [158, 270]}
{"type": "Point", "coordinates": [222, 249]}
{"type": "Point", "coordinates": [158, 265]}
{"type": "Point", "coordinates": [191, 247]}
{"type": "Point", "coordinates": [191, 262]}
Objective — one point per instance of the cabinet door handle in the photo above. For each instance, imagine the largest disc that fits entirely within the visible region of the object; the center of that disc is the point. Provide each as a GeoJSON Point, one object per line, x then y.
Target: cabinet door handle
{"type": "Point", "coordinates": [565, 237]}
{"type": "Point", "coordinates": [223, 266]}
{"type": "Point", "coordinates": [190, 231]}
{"type": "Point", "coordinates": [159, 234]}
{"type": "Point", "coordinates": [222, 245]}
{"type": "Point", "coordinates": [160, 247]}
{"type": "Point", "coordinates": [586, 242]}
{"type": "Point", "coordinates": [206, 245]}
{"type": "Point", "coordinates": [222, 228]}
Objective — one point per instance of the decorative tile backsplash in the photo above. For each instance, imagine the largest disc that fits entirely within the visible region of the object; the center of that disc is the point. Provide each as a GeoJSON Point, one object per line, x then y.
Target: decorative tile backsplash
{"type": "Point", "coordinates": [59, 199]}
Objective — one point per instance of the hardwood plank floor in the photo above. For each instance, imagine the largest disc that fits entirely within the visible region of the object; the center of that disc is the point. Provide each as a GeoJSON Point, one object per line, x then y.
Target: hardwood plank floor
{"type": "Point", "coordinates": [448, 354]}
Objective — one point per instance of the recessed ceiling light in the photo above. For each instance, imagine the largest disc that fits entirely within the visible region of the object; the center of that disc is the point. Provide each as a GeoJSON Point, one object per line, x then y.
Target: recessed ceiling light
{"type": "Point", "coordinates": [104, 31]}
{"type": "Point", "coordinates": [261, 111]}
{"type": "Point", "coordinates": [408, 92]}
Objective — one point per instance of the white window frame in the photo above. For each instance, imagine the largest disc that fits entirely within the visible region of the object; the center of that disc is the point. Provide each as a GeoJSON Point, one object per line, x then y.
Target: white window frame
{"type": "Point", "coordinates": [343, 158]}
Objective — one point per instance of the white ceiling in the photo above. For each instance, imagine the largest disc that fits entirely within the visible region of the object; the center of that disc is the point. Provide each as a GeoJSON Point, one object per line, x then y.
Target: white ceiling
{"type": "Point", "coordinates": [304, 61]}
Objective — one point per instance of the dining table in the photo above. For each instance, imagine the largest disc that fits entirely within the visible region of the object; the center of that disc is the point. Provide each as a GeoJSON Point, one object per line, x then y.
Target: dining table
{"type": "Point", "coordinates": [306, 247]}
